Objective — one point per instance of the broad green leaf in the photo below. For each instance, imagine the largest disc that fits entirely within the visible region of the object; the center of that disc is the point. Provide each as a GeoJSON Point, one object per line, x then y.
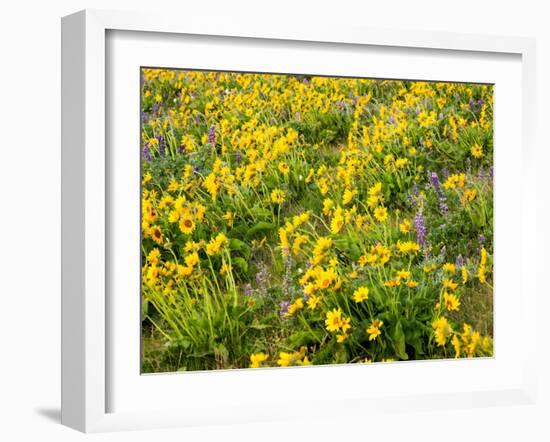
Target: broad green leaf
{"type": "Point", "coordinates": [259, 227]}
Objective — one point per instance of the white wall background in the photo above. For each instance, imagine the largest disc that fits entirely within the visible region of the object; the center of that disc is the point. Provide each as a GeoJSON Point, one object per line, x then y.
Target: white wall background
{"type": "Point", "coordinates": [30, 215]}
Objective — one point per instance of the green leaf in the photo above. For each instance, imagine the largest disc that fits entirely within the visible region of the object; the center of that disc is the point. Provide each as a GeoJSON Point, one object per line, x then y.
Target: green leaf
{"type": "Point", "coordinates": [257, 326]}
{"type": "Point", "coordinates": [399, 341]}
{"type": "Point", "coordinates": [301, 338]}
{"type": "Point", "coordinates": [236, 244]}
{"type": "Point", "coordinates": [241, 264]}
{"type": "Point", "coordinates": [144, 309]}
{"type": "Point", "coordinates": [261, 212]}
{"type": "Point", "coordinates": [259, 227]}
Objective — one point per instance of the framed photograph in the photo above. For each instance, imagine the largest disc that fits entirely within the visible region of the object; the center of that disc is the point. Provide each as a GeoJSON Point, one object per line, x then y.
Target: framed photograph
{"type": "Point", "coordinates": [262, 223]}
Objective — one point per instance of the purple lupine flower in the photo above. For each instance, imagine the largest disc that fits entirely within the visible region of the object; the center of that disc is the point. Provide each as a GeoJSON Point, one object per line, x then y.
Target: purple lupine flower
{"type": "Point", "coordinates": [162, 145]}
{"type": "Point", "coordinates": [284, 308]}
{"type": "Point", "coordinates": [472, 104]}
{"type": "Point", "coordinates": [212, 135]}
{"type": "Point", "coordinates": [262, 276]}
{"type": "Point", "coordinates": [481, 240]}
{"type": "Point", "coordinates": [420, 227]}
{"type": "Point", "coordinates": [415, 189]}
{"type": "Point", "coordinates": [434, 179]}
{"type": "Point", "coordinates": [298, 116]}
{"type": "Point", "coordinates": [481, 172]}
{"type": "Point", "coordinates": [287, 278]}
{"type": "Point", "coordinates": [459, 262]}
{"type": "Point", "coordinates": [437, 186]}
{"type": "Point", "coordinates": [491, 173]}
{"type": "Point", "coordinates": [238, 156]}
{"type": "Point", "coordinates": [392, 119]}
{"type": "Point", "coordinates": [417, 110]}
{"type": "Point", "coordinates": [181, 148]}
{"type": "Point", "coordinates": [341, 105]}
{"type": "Point", "coordinates": [248, 290]}
{"type": "Point", "coordinates": [443, 205]}
{"type": "Point", "coordinates": [147, 153]}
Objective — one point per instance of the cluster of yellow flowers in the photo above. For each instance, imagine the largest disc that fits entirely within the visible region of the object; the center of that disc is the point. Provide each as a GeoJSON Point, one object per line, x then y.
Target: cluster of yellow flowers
{"type": "Point", "coordinates": [300, 219]}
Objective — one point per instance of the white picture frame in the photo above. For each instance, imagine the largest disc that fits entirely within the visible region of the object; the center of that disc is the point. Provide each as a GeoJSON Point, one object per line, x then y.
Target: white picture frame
{"type": "Point", "coordinates": [86, 357]}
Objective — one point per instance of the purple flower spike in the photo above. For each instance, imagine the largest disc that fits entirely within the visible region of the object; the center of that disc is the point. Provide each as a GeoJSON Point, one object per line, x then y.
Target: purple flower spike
{"type": "Point", "coordinates": [284, 308]}
{"type": "Point", "coordinates": [437, 186]}
{"type": "Point", "coordinates": [248, 290]}
{"type": "Point", "coordinates": [147, 153]}
{"type": "Point", "coordinates": [434, 180]}
{"type": "Point", "coordinates": [420, 226]}
{"type": "Point", "coordinates": [415, 189]}
{"type": "Point", "coordinates": [211, 135]}
{"type": "Point", "coordinates": [162, 145]}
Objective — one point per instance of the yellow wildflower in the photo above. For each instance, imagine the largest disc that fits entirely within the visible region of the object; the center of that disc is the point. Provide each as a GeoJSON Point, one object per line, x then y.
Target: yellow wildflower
{"type": "Point", "coordinates": [407, 247]}
{"type": "Point", "coordinates": [405, 226]}
{"type": "Point", "coordinates": [278, 196]}
{"type": "Point", "coordinates": [230, 218]}
{"type": "Point", "coordinates": [381, 213]}
{"type": "Point", "coordinates": [451, 302]}
{"type": "Point", "coordinates": [374, 329]}
{"type": "Point", "coordinates": [187, 225]}
{"type": "Point", "coordinates": [442, 330]}
{"type": "Point", "coordinates": [449, 267]}
{"type": "Point", "coordinates": [216, 244]}
{"type": "Point", "coordinates": [334, 320]}
{"type": "Point", "coordinates": [284, 168]}
{"type": "Point", "coordinates": [361, 294]}
{"type": "Point", "coordinates": [348, 196]}
{"type": "Point", "coordinates": [257, 359]}
{"type": "Point", "coordinates": [313, 301]}
{"type": "Point", "coordinates": [477, 151]}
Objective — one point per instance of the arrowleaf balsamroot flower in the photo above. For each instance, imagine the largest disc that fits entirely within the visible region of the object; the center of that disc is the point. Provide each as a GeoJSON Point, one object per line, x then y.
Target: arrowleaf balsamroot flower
{"type": "Point", "coordinates": [381, 213]}
{"type": "Point", "coordinates": [374, 329]}
{"type": "Point", "coordinates": [451, 302]}
{"type": "Point", "coordinates": [476, 151]}
{"type": "Point", "coordinates": [257, 359]}
{"type": "Point", "coordinates": [278, 196]}
{"type": "Point", "coordinates": [361, 294]}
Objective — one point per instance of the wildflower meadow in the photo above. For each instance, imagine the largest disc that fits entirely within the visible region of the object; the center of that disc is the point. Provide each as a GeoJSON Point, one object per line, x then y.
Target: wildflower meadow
{"type": "Point", "coordinates": [293, 220]}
